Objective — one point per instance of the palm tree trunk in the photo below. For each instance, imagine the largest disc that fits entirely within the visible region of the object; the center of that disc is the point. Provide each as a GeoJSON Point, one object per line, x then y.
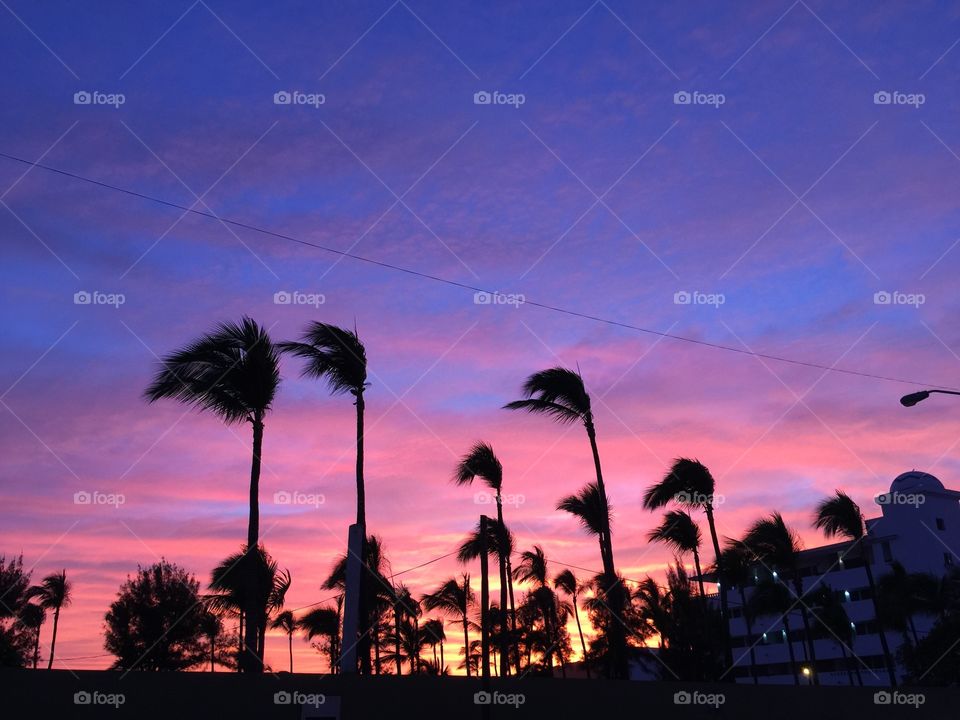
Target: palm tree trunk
{"type": "Point", "coordinates": [240, 643]}
{"type": "Point", "coordinates": [606, 543]}
{"type": "Point", "coordinates": [913, 630]}
{"type": "Point", "coordinates": [363, 644]}
{"type": "Point", "coordinates": [749, 623]}
{"type": "Point", "coordinates": [250, 659]}
{"type": "Point", "coordinates": [290, 643]}
{"type": "Point", "coordinates": [213, 648]}
{"type": "Point", "coordinates": [807, 634]}
{"type": "Point", "coordinates": [504, 644]}
{"type": "Point", "coordinates": [724, 610]}
{"type": "Point", "coordinates": [513, 617]}
{"type": "Point", "coordinates": [466, 644]}
{"type": "Point", "coordinates": [376, 650]}
{"type": "Point", "coordinates": [443, 663]}
{"type": "Point", "coordinates": [396, 639]}
{"type": "Point", "coordinates": [696, 562]}
{"type": "Point", "coordinates": [36, 648]}
{"type": "Point", "coordinates": [583, 645]}
{"type": "Point", "coordinates": [53, 640]}
{"type": "Point", "coordinates": [793, 659]}
{"type": "Point", "coordinates": [887, 657]}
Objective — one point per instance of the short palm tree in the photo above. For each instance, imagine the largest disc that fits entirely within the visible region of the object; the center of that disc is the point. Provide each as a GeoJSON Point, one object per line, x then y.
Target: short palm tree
{"type": "Point", "coordinates": [454, 599]}
{"type": "Point", "coordinates": [691, 484]}
{"type": "Point", "coordinates": [434, 635]}
{"type": "Point", "coordinates": [839, 516]}
{"type": "Point", "coordinates": [337, 356]}
{"type": "Point", "coordinates": [830, 612]}
{"type": "Point", "coordinates": [737, 566]}
{"type": "Point", "coordinates": [482, 462]}
{"type": "Point", "coordinates": [566, 582]}
{"type": "Point", "coordinates": [778, 547]}
{"type": "Point", "coordinates": [234, 373]}
{"type": "Point", "coordinates": [32, 617]}
{"type": "Point", "coordinates": [324, 622]}
{"type": "Point", "coordinates": [288, 623]}
{"type": "Point", "coordinates": [773, 598]}
{"type": "Point", "coordinates": [679, 531]}
{"type": "Point", "coordinates": [52, 593]}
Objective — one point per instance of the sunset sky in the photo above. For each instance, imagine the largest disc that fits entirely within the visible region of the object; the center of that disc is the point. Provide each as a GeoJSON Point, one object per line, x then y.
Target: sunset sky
{"type": "Point", "coordinates": [787, 189]}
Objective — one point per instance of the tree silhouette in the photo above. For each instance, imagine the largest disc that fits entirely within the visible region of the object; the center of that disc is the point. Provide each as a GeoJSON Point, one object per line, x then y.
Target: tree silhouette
{"type": "Point", "coordinates": [52, 593]}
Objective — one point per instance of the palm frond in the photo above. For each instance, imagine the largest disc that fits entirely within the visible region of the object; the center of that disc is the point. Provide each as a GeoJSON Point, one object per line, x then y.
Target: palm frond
{"type": "Point", "coordinates": [588, 507]}
{"type": "Point", "coordinates": [481, 462]}
{"type": "Point", "coordinates": [556, 392]}
{"type": "Point", "coordinates": [839, 515]}
{"type": "Point", "coordinates": [333, 354]}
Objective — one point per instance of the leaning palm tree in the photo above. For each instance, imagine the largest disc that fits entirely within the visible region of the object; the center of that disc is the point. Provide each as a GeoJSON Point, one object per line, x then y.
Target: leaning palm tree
{"type": "Point", "coordinates": [482, 462]}
{"type": "Point", "coordinates": [288, 623]}
{"type": "Point", "coordinates": [690, 483]}
{"type": "Point", "coordinates": [454, 599]}
{"type": "Point", "coordinates": [778, 547]}
{"type": "Point", "coordinates": [234, 373]}
{"type": "Point", "coordinates": [679, 531]}
{"type": "Point", "coordinates": [324, 622]}
{"type": "Point", "coordinates": [338, 357]}
{"type": "Point", "coordinates": [52, 593]}
{"type": "Point", "coordinates": [566, 581]}
{"type": "Point", "coordinates": [839, 515]}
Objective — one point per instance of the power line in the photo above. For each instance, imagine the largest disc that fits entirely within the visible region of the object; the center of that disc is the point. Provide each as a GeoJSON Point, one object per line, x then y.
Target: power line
{"type": "Point", "coordinates": [472, 288]}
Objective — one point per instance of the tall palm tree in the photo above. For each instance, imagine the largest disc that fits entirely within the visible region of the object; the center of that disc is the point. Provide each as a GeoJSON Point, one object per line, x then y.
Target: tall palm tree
{"type": "Point", "coordinates": [337, 356]}
{"type": "Point", "coordinates": [324, 622]}
{"type": "Point", "coordinates": [482, 462]}
{"type": "Point", "coordinates": [773, 598]}
{"type": "Point", "coordinates": [52, 593]}
{"type": "Point", "coordinates": [737, 565]}
{"type": "Point", "coordinates": [234, 373]}
{"type": "Point", "coordinates": [32, 617]}
{"type": "Point", "coordinates": [778, 547]}
{"type": "Point", "coordinates": [691, 484]}
{"type": "Point", "coordinates": [566, 582]}
{"type": "Point", "coordinates": [680, 532]}
{"type": "Point", "coordinates": [454, 599]}
{"type": "Point", "coordinates": [288, 623]}
{"type": "Point", "coordinates": [839, 515]}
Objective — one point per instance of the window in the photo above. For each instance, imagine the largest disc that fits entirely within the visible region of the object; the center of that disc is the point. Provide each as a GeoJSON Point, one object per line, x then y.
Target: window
{"type": "Point", "coordinates": [887, 555]}
{"type": "Point", "coordinates": [941, 525]}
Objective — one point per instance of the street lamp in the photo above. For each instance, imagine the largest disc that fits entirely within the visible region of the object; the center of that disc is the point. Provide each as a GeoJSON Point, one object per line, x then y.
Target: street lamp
{"type": "Point", "coordinates": [913, 398]}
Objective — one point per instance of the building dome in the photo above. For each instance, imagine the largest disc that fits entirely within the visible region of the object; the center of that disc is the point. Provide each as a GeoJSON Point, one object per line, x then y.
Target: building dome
{"type": "Point", "coordinates": [914, 481]}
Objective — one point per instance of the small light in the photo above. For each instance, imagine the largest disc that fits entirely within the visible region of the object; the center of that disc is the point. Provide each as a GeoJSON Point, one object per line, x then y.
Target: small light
{"type": "Point", "coordinates": [775, 576]}
{"type": "Point", "coordinates": [783, 633]}
{"type": "Point", "coordinates": [853, 626]}
{"type": "Point", "coordinates": [846, 594]}
{"type": "Point", "coordinates": [806, 672]}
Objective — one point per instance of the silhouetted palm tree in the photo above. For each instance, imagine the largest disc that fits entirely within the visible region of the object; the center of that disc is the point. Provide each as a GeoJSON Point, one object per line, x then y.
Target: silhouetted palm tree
{"type": "Point", "coordinates": [778, 547]}
{"type": "Point", "coordinates": [566, 581]}
{"type": "Point", "coordinates": [828, 609]}
{"type": "Point", "coordinates": [532, 568]}
{"type": "Point", "coordinates": [32, 617]}
{"type": "Point", "coordinates": [680, 532]}
{"type": "Point", "coordinates": [902, 595]}
{"type": "Point", "coordinates": [234, 373]}
{"type": "Point", "coordinates": [481, 462]}
{"type": "Point", "coordinates": [839, 515]}
{"type": "Point", "coordinates": [288, 623]}
{"type": "Point", "coordinates": [454, 599]}
{"type": "Point", "coordinates": [434, 635]}
{"type": "Point", "coordinates": [690, 483]}
{"type": "Point", "coordinates": [52, 593]}
{"type": "Point", "coordinates": [737, 566]}
{"type": "Point", "coordinates": [324, 622]}
{"type": "Point", "coordinates": [338, 357]}
{"type": "Point", "coordinates": [590, 509]}
{"type": "Point", "coordinates": [771, 597]}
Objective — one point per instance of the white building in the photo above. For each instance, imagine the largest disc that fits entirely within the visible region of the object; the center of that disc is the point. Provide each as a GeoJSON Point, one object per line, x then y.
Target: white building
{"type": "Point", "coordinates": [919, 527]}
